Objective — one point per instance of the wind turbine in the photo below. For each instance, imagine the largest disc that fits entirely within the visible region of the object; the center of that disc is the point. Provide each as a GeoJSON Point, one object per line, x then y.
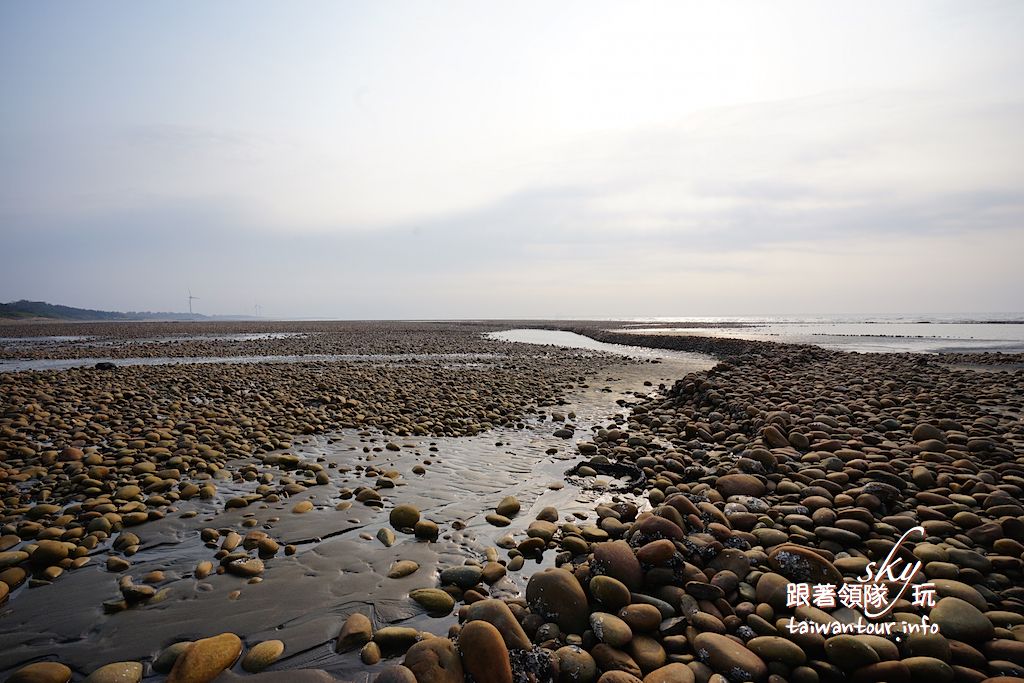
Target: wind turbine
{"type": "Point", "coordinates": [190, 298]}
{"type": "Point", "coordinates": [257, 310]}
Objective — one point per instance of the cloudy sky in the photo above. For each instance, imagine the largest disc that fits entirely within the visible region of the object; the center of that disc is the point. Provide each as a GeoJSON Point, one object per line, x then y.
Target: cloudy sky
{"type": "Point", "coordinates": [527, 159]}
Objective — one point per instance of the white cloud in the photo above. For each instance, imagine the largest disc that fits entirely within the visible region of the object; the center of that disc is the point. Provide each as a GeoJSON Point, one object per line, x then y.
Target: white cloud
{"type": "Point", "coordinates": [700, 151]}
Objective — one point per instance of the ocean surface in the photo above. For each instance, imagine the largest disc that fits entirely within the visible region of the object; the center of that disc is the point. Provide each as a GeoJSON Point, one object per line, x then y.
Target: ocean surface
{"type": "Point", "coordinates": [947, 333]}
{"type": "Point", "coordinates": [572, 340]}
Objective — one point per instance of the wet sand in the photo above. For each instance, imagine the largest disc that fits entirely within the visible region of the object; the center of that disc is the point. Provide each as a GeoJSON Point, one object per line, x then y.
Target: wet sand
{"type": "Point", "coordinates": [338, 566]}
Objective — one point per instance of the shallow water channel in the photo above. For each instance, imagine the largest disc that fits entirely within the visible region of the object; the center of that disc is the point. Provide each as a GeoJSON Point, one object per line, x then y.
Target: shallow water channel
{"type": "Point", "coordinates": [340, 566]}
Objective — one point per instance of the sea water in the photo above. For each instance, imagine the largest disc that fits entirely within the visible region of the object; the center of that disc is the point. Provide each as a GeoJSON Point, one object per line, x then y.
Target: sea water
{"type": "Point", "coordinates": [951, 333]}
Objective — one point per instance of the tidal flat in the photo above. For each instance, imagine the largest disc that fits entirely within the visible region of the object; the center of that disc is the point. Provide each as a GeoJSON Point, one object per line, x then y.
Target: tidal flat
{"type": "Point", "coordinates": [426, 502]}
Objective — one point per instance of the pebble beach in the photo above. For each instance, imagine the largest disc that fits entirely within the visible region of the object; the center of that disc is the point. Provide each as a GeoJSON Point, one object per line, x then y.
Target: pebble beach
{"type": "Point", "coordinates": [425, 502]}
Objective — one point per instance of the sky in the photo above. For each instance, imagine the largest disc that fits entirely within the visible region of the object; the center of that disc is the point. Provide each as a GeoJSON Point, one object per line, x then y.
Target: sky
{"type": "Point", "coordinates": [531, 159]}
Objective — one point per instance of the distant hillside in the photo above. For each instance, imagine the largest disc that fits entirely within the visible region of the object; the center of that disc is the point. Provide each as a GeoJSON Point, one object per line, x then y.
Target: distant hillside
{"type": "Point", "coordinates": [41, 309]}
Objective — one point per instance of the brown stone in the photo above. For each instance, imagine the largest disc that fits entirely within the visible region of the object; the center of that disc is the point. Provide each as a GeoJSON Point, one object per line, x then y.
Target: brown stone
{"type": "Point", "coordinates": [671, 673]}
{"type": "Point", "coordinates": [434, 660]}
{"type": "Point", "coordinates": [484, 655]}
{"type": "Point", "coordinates": [729, 658]}
{"type": "Point", "coordinates": [803, 565]}
{"type": "Point", "coordinates": [41, 672]}
{"type": "Point", "coordinates": [616, 559]}
{"type": "Point", "coordinates": [498, 614]}
{"type": "Point", "coordinates": [205, 659]}
{"type": "Point", "coordinates": [556, 595]}
{"type": "Point", "coordinates": [356, 632]}
{"type": "Point", "coordinates": [740, 485]}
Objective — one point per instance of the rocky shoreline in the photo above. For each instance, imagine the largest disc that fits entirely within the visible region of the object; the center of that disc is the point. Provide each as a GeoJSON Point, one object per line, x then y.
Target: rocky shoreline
{"type": "Point", "coordinates": [783, 464]}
